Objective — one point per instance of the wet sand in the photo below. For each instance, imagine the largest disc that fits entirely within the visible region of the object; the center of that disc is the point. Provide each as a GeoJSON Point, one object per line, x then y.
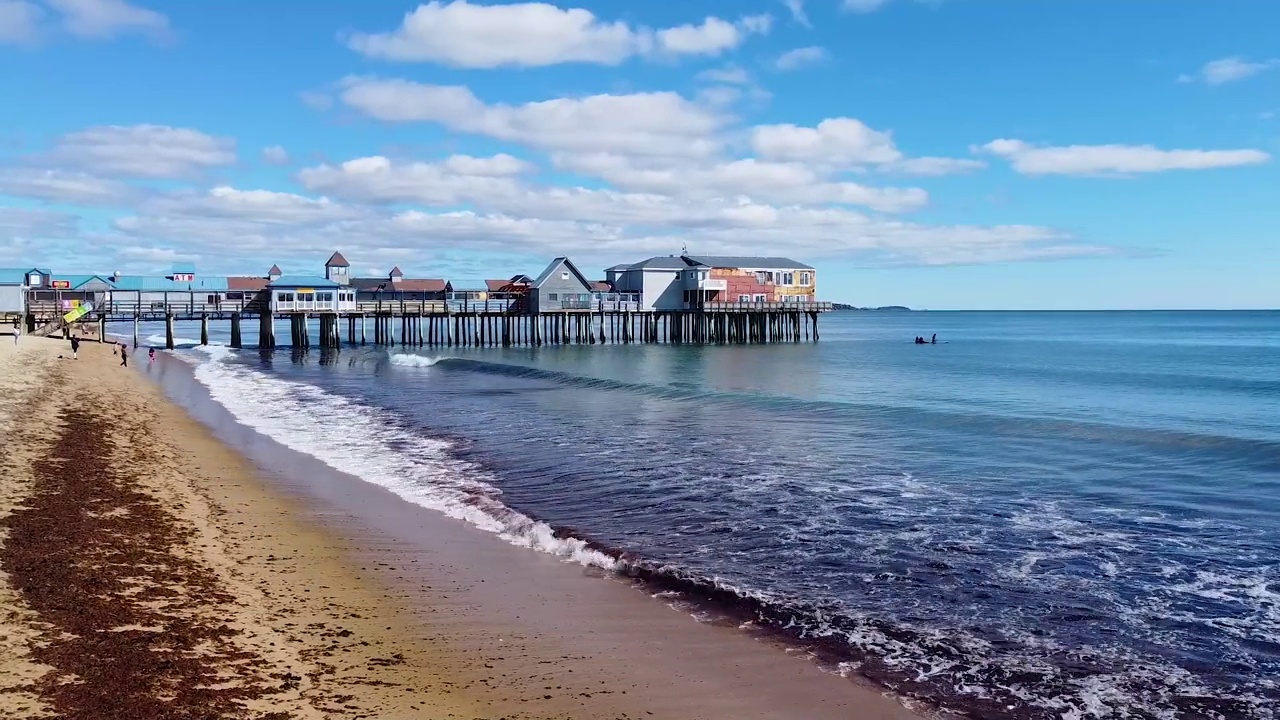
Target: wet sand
{"type": "Point", "coordinates": [163, 572]}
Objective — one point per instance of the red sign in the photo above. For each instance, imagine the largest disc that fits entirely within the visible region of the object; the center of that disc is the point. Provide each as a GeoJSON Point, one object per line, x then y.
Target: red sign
{"type": "Point", "coordinates": [61, 284]}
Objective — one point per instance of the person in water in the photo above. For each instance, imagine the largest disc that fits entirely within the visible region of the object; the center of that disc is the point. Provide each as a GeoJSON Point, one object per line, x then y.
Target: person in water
{"type": "Point", "coordinates": [934, 341]}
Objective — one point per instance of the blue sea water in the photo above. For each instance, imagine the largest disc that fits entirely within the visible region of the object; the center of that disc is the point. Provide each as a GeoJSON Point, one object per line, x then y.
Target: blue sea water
{"type": "Point", "coordinates": [1045, 515]}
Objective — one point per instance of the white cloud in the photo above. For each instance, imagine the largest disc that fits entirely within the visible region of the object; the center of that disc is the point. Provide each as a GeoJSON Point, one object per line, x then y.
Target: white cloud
{"type": "Point", "coordinates": [863, 6]}
{"type": "Point", "coordinates": [843, 141]}
{"type": "Point", "coordinates": [933, 166]}
{"type": "Point", "coordinates": [1030, 159]}
{"type": "Point", "coordinates": [19, 22]}
{"type": "Point", "coordinates": [800, 57]}
{"type": "Point", "coordinates": [316, 100]}
{"type": "Point", "coordinates": [1229, 69]}
{"type": "Point", "coordinates": [643, 123]}
{"type": "Point", "coordinates": [275, 155]}
{"type": "Point", "coordinates": [65, 187]}
{"type": "Point", "coordinates": [281, 225]}
{"type": "Point", "coordinates": [533, 34]}
{"type": "Point", "coordinates": [729, 74]}
{"type": "Point", "coordinates": [109, 18]}
{"type": "Point", "coordinates": [796, 8]}
{"type": "Point", "coordinates": [143, 151]}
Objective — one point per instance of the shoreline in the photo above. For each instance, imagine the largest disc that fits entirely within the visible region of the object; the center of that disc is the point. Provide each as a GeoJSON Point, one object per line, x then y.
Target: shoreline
{"type": "Point", "coordinates": [389, 608]}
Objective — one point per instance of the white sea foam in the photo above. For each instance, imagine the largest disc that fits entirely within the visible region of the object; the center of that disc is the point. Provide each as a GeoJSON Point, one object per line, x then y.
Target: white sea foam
{"type": "Point", "coordinates": [178, 342]}
{"type": "Point", "coordinates": [408, 360]}
{"type": "Point", "coordinates": [367, 442]}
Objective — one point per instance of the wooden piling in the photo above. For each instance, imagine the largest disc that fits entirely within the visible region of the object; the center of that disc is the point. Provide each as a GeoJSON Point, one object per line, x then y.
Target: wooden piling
{"type": "Point", "coordinates": [236, 341]}
{"type": "Point", "coordinates": [204, 328]}
{"type": "Point", "coordinates": [168, 331]}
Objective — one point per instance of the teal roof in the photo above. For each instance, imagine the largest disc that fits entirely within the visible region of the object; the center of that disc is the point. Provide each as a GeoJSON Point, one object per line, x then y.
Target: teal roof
{"type": "Point", "coordinates": [150, 283]}
{"type": "Point", "coordinates": [8, 275]}
{"type": "Point", "coordinates": [296, 281]}
{"type": "Point", "coordinates": [78, 281]}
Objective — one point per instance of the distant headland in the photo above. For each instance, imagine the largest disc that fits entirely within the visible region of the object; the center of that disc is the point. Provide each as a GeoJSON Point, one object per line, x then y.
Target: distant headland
{"type": "Point", "coordinates": [885, 308]}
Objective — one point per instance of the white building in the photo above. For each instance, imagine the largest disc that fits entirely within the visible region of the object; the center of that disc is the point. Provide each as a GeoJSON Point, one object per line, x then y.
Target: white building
{"type": "Point", "coordinates": [300, 293]}
{"type": "Point", "coordinates": [15, 283]}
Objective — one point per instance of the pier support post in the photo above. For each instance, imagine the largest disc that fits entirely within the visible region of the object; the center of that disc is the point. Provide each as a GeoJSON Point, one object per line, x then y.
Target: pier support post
{"type": "Point", "coordinates": [102, 328]}
{"type": "Point", "coordinates": [236, 341]}
{"type": "Point", "coordinates": [135, 331]}
{"type": "Point", "coordinates": [266, 331]}
{"type": "Point", "coordinates": [204, 328]}
{"type": "Point", "coordinates": [168, 331]}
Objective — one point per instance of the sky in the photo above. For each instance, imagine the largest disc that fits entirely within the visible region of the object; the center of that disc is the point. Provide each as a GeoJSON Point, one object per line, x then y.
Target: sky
{"type": "Point", "coordinates": [941, 154]}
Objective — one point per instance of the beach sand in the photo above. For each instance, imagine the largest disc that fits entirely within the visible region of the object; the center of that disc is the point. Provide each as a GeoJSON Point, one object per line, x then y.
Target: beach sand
{"type": "Point", "coordinates": [149, 571]}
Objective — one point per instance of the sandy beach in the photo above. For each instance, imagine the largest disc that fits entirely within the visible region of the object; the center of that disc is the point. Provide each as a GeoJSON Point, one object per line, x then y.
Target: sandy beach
{"type": "Point", "coordinates": [149, 571]}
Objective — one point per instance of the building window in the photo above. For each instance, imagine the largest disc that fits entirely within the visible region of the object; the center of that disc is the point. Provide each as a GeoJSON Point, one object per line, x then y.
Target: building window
{"type": "Point", "coordinates": [326, 297]}
{"type": "Point", "coordinates": [553, 296]}
{"type": "Point", "coordinates": [34, 280]}
{"type": "Point", "coordinates": [744, 298]}
{"type": "Point", "coordinates": [306, 297]}
{"type": "Point", "coordinates": [759, 298]}
{"type": "Point", "coordinates": [564, 275]}
{"type": "Point", "coordinates": [788, 278]}
{"type": "Point", "coordinates": [806, 279]}
{"type": "Point", "coordinates": [285, 297]}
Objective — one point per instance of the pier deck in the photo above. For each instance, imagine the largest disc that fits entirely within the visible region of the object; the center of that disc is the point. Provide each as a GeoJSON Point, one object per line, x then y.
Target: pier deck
{"type": "Point", "coordinates": [480, 324]}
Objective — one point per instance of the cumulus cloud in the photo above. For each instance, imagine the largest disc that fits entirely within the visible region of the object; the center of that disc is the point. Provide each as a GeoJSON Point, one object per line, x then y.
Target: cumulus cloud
{"type": "Point", "coordinates": [1228, 69]}
{"type": "Point", "coordinates": [462, 34]}
{"type": "Point", "coordinates": [800, 57]}
{"type": "Point", "coordinates": [100, 19]}
{"type": "Point", "coordinates": [642, 123]}
{"type": "Point", "coordinates": [143, 151]}
{"type": "Point", "coordinates": [845, 141]}
{"type": "Point", "coordinates": [1029, 159]}
{"type": "Point", "coordinates": [65, 187]}
{"type": "Point", "coordinates": [275, 155]}
{"type": "Point", "coordinates": [19, 22]}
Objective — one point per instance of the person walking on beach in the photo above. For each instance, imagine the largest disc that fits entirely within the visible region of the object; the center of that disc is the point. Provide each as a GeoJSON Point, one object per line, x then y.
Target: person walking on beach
{"type": "Point", "coordinates": [151, 355]}
{"type": "Point", "coordinates": [124, 356]}
{"type": "Point", "coordinates": [75, 347]}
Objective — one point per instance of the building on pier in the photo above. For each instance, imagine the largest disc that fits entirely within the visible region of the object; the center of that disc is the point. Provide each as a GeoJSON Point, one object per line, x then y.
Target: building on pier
{"type": "Point", "coordinates": [691, 282]}
{"type": "Point", "coordinates": [304, 294]}
{"type": "Point", "coordinates": [16, 284]}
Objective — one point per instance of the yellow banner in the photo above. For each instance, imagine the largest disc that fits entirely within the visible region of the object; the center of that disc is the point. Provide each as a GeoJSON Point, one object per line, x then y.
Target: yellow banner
{"type": "Point", "coordinates": [78, 313]}
{"type": "Point", "coordinates": [305, 291]}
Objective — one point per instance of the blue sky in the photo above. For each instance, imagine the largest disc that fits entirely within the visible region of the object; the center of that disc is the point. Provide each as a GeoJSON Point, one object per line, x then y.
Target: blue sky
{"type": "Point", "coordinates": [936, 153]}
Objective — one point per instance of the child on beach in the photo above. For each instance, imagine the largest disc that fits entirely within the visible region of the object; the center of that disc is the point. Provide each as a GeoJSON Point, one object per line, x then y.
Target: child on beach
{"type": "Point", "coordinates": [151, 355]}
{"type": "Point", "coordinates": [124, 356]}
{"type": "Point", "coordinates": [75, 347]}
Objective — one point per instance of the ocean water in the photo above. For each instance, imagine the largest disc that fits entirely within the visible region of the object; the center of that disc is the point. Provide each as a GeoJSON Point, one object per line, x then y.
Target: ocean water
{"type": "Point", "coordinates": [1046, 515]}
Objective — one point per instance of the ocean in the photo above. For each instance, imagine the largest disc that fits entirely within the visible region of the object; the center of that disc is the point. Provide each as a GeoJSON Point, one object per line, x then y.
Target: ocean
{"type": "Point", "coordinates": [1045, 515]}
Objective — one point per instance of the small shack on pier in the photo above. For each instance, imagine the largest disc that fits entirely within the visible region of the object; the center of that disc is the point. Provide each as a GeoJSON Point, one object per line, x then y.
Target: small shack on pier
{"type": "Point", "coordinates": [305, 294]}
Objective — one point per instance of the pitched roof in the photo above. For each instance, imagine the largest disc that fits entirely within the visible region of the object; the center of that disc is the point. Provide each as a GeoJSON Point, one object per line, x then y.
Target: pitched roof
{"type": "Point", "coordinates": [659, 263]}
{"type": "Point", "coordinates": [555, 264]}
{"type": "Point", "coordinates": [601, 286]}
{"type": "Point", "coordinates": [496, 285]}
{"type": "Point", "coordinates": [420, 285]}
{"type": "Point", "coordinates": [275, 270]}
{"type": "Point", "coordinates": [302, 281]}
{"type": "Point", "coordinates": [336, 260]}
{"type": "Point", "coordinates": [13, 276]}
{"type": "Point", "coordinates": [363, 283]}
{"type": "Point", "coordinates": [739, 261]}
{"type": "Point", "coordinates": [396, 272]}
{"type": "Point", "coordinates": [250, 284]}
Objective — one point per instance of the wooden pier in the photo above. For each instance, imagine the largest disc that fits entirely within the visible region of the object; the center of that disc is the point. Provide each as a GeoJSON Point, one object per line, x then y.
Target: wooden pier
{"type": "Point", "coordinates": [425, 325]}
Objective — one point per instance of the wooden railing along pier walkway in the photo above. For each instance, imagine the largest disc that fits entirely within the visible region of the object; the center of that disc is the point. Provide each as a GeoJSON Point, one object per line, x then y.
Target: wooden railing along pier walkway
{"type": "Point", "coordinates": [442, 324]}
